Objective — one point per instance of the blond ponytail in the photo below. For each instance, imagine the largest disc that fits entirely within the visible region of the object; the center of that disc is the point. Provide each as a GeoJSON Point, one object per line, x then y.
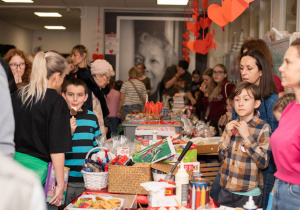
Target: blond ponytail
{"type": "Point", "coordinates": [44, 66]}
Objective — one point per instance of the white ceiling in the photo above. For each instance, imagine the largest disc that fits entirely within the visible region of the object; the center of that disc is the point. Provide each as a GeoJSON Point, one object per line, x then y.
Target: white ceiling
{"type": "Point", "coordinates": [23, 14]}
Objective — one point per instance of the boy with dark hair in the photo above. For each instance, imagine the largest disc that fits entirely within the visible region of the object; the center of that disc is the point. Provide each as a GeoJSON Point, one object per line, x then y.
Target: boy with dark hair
{"type": "Point", "coordinates": [84, 129]}
{"type": "Point", "coordinates": [245, 150]}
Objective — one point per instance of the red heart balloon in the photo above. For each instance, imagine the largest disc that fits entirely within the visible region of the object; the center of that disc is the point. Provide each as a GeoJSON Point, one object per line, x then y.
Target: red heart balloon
{"type": "Point", "coordinates": [215, 13]}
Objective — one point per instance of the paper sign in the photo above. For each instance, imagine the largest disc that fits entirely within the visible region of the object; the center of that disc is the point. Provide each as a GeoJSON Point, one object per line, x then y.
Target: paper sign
{"type": "Point", "coordinates": [111, 44]}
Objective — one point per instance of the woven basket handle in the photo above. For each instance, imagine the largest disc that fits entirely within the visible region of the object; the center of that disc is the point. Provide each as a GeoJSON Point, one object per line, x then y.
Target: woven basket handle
{"type": "Point", "coordinates": [88, 154]}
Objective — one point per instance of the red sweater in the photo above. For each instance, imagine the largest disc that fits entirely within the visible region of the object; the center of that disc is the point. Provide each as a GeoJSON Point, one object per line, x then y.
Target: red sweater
{"type": "Point", "coordinates": [218, 104]}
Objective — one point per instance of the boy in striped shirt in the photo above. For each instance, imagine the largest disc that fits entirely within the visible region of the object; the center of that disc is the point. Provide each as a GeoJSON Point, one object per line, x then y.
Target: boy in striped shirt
{"type": "Point", "coordinates": [84, 129]}
{"type": "Point", "coordinates": [245, 150]}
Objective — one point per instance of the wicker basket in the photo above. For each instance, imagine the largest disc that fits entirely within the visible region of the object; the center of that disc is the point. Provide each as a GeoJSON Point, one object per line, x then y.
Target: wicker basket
{"type": "Point", "coordinates": [95, 180]}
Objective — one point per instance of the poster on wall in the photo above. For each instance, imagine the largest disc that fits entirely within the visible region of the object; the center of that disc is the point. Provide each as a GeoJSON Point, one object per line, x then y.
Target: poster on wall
{"type": "Point", "coordinates": [111, 44]}
{"type": "Point", "coordinates": [154, 41]}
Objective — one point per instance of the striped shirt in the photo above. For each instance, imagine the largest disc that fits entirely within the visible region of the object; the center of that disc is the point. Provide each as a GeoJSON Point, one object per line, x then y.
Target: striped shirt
{"type": "Point", "coordinates": [244, 158]}
{"type": "Point", "coordinates": [82, 142]}
{"type": "Point", "coordinates": [131, 96]}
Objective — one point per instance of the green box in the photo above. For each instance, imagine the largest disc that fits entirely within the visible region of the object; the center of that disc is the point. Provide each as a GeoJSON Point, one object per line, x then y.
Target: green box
{"type": "Point", "coordinates": [190, 156]}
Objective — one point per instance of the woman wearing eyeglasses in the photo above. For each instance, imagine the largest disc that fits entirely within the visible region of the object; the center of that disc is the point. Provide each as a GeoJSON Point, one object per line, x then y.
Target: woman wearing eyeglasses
{"type": "Point", "coordinates": [215, 103]}
{"type": "Point", "coordinates": [20, 66]}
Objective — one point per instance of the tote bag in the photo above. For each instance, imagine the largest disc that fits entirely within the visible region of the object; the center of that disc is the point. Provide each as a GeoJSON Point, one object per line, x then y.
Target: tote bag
{"type": "Point", "coordinates": [37, 165]}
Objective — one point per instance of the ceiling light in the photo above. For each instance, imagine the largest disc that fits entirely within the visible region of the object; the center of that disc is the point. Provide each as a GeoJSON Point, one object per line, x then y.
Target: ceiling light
{"type": "Point", "coordinates": [55, 27]}
{"type": "Point", "coordinates": [47, 14]}
{"type": "Point", "coordinates": [18, 1]}
{"type": "Point", "coordinates": [172, 2]}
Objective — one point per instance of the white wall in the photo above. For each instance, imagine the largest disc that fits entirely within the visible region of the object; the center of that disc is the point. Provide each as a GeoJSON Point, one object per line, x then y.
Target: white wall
{"type": "Point", "coordinates": [89, 29]}
{"type": "Point", "coordinates": [15, 35]}
{"type": "Point", "coordinates": [61, 41]}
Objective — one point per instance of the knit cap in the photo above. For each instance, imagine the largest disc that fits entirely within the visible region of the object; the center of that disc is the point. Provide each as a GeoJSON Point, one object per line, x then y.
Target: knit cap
{"type": "Point", "coordinates": [100, 67]}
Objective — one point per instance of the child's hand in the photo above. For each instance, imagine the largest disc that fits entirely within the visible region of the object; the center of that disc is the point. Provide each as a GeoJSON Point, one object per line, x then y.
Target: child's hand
{"type": "Point", "coordinates": [243, 129]}
{"type": "Point", "coordinates": [73, 125]}
{"type": "Point", "coordinates": [230, 127]}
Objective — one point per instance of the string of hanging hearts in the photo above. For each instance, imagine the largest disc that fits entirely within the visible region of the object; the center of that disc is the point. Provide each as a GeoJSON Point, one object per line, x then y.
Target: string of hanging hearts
{"type": "Point", "coordinates": [221, 15]}
{"type": "Point", "coordinates": [97, 55]}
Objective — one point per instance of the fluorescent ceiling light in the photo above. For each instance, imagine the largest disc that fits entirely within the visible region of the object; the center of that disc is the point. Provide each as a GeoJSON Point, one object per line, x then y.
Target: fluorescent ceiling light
{"type": "Point", "coordinates": [47, 14]}
{"type": "Point", "coordinates": [55, 27]}
{"type": "Point", "coordinates": [172, 2]}
{"type": "Point", "coordinates": [18, 1]}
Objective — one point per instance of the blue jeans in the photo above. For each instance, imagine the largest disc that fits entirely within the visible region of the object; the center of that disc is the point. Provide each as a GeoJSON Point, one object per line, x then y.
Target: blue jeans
{"type": "Point", "coordinates": [269, 179]}
{"type": "Point", "coordinates": [286, 196]}
{"type": "Point", "coordinates": [113, 121]}
{"type": "Point", "coordinates": [215, 188]}
{"type": "Point", "coordinates": [127, 109]}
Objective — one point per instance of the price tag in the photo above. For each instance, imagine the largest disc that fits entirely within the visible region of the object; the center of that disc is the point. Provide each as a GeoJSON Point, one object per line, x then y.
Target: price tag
{"type": "Point", "coordinates": [123, 151]}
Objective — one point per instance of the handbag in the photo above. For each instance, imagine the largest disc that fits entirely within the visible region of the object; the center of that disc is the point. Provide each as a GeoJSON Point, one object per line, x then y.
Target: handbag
{"type": "Point", "coordinates": [38, 166]}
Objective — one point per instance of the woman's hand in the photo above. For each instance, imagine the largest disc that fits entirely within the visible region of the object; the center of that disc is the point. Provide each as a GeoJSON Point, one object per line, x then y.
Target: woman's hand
{"type": "Point", "coordinates": [243, 129]}
{"type": "Point", "coordinates": [58, 196]}
{"type": "Point", "coordinates": [18, 77]}
{"type": "Point", "coordinates": [203, 87]}
{"type": "Point", "coordinates": [119, 115]}
{"type": "Point", "coordinates": [73, 125]}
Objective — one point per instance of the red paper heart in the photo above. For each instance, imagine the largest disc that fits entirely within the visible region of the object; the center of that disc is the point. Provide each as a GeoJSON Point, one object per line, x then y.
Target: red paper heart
{"type": "Point", "coordinates": [183, 35]}
{"type": "Point", "coordinates": [187, 33]}
{"type": "Point", "coordinates": [231, 9]}
{"type": "Point", "coordinates": [195, 4]}
{"type": "Point", "coordinates": [111, 51]}
{"type": "Point", "coordinates": [188, 59]}
{"type": "Point", "coordinates": [187, 53]}
{"type": "Point", "coordinates": [204, 4]}
{"type": "Point", "coordinates": [184, 43]}
{"type": "Point", "coordinates": [187, 38]}
{"type": "Point", "coordinates": [192, 27]}
{"type": "Point", "coordinates": [195, 17]}
{"type": "Point", "coordinates": [215, 13]}
{"type": "Point", "coordinates": [183, 49]}
{"type": "Point", "coordinates": [98, 56]}
{"type": "Point", "coordinates": [201, 46]}
{"type": "Point", "coordinates": [205, 22]}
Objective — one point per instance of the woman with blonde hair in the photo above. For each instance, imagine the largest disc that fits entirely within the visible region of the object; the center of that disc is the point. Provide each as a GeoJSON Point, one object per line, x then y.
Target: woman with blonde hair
{"type": "Point", "coordinates": [215, 102]}
{"type": "Point", "coordinates": [42, 123]}
{"type": "Point", "coordinates": [133, 93]}
{"type": "Point", "coordinates": [20, 66]}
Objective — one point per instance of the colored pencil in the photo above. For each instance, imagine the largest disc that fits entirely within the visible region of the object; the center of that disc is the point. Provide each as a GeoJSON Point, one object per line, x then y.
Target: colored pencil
{"type": "Point", "coordinates": [203, 193]}
{"type": "Point", "coordinates": [198, 197]}
{"type": "Point", "coordinates": [207, 196]}
{"type": "Point", "coordinates": [193, 198]}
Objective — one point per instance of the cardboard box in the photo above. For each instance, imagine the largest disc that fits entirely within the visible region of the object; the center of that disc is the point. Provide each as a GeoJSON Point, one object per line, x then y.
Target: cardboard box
{"type": "Point", "coordinates": [190, 156]}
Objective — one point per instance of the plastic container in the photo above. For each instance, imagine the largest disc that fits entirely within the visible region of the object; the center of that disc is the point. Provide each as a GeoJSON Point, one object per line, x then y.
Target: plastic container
{"type": "Point", "coordinates": [182, 185]}
{"type": "Point", "coordinates": [250, 205]}
{"type": "Point", "coordinates": [130, 126]}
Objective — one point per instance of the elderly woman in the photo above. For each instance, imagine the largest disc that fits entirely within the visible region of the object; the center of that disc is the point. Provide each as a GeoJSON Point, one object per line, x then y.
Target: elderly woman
{"type": "Point", "coordinates": [133, 93]}
{"type": "Point", "coordinates": [20, 66]}
{"type": "Point", "coordinates": [285, 141]}
{"type": "Point", "coordinates": [101, 72]}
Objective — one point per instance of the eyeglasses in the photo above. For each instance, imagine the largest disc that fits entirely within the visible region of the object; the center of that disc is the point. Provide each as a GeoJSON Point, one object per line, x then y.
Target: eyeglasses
{"type": "Point", "coordinates": [15, 66]}
{"type": "Point", "coordinates": [218, 72]}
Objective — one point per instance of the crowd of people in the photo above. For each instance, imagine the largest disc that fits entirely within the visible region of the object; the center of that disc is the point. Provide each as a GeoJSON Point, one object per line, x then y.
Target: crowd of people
{"type": "Point", "coordinates": [256, 120]}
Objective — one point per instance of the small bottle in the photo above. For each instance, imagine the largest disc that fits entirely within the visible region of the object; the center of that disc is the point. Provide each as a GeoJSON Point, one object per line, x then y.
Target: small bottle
{"type": "Point", "coordinates": [182, 185]}
{"type": "Point", "coordinates": [250, 205]}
